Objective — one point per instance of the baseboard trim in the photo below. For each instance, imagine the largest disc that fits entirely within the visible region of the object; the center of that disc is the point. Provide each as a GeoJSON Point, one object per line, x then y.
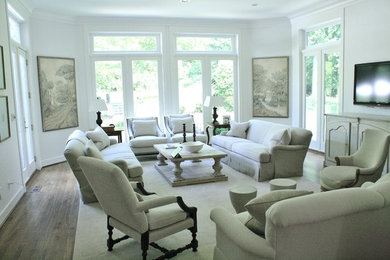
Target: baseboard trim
{"type": "Point", "coordinates": [11, 205]}
{"type": "Point", "coordinates": [53, 160]}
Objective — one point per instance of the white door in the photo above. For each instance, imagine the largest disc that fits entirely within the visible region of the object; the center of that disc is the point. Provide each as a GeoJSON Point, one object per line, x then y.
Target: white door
{"type": "Point", "coordinates": [322, 87]}
{"type": "Point", "coordinates": [23, 113]}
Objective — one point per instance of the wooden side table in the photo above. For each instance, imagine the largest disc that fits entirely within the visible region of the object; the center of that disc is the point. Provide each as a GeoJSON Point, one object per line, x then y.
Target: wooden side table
{"type": "Point", "coordinates": [215, 127]}
{"type": "Point", "coordinates": [110, 131]}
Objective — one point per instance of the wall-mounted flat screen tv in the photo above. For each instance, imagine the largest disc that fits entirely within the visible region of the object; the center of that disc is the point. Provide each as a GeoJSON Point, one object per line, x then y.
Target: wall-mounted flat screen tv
{"type": "Point", "coordinates": [372, 84]}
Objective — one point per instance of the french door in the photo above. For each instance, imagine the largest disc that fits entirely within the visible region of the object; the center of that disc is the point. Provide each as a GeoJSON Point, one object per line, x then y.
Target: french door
{"type": "Point", "coordinates": [322, 91]}
{"type": "Point", "coordinates": [23, 112]}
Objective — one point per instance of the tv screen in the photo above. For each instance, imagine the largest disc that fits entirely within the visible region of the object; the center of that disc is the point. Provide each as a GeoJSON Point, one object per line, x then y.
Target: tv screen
{"type": "Point", "coordinates": [372, 83]}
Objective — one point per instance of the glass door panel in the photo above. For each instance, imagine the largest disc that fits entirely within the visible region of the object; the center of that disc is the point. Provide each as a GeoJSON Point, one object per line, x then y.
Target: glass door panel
{"type": "Point", "coordinates": [145, 88]}
{"type": "Point", "coordinates": [222, 84]}
{"type": "Point", "coordinates": [191, 89]}
{"type": "Point", "coordinates": [332, 82]}
{"type": "Point", "coordinates": [109, 87]}
{"type": "Point", "coordinates": [311, 96]}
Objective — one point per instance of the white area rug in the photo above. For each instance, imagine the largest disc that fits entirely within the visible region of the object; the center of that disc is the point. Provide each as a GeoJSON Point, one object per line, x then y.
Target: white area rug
{"type": "Point", "coordinates": [91, 231]}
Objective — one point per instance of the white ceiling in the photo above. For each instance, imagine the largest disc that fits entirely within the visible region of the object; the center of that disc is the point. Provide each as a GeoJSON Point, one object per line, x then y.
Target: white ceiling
{"type": "Point", "coordinates": [205, 9]}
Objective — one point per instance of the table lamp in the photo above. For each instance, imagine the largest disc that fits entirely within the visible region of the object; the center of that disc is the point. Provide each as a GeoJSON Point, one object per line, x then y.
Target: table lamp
{"type": "Point", "coordinates": [99, 105]}
{"type": "Point", "coordinates": [213, 101]}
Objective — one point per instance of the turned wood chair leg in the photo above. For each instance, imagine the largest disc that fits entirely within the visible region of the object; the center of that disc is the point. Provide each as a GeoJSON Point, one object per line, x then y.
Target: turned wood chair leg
{"type": "Point", "coordinates": [110, 241]}
{"type": "Point", "coordinates": [144, 244]}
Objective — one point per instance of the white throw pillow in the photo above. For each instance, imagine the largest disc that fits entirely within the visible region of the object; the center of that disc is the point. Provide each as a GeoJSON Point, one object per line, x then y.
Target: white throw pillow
{"type": "Point", "coordinates": [238, 129]}
{"type": "Point", "coordinates": [145, 127]}
{"type": "Point", "coordinates": [258, 206]}
{"type": "Point", "coordinates": [91, 150]}
{"type": "Point", "coordinates": [99, 137]}
{"type": "Point", "coordinates": [177, 124]}
{"type": "Point", "coordinates": [282, 136]}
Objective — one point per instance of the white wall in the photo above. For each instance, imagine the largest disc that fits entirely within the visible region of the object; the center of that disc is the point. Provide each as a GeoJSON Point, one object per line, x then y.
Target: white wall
{"type": "Point", "coordinates": [266, 38]}
{"type": "Point", "coordinates": [57, 37]}
{"type": "Point", "coordinates": [367, 39]}
{"type": "Point", "coordinates": [11, 184]}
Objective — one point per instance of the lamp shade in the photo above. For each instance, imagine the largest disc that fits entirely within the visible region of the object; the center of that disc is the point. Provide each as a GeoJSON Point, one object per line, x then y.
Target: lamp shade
{"type": "Point", "coordinates": [213, 101]}
{"type": "Point", "coordinates": [98, 105]}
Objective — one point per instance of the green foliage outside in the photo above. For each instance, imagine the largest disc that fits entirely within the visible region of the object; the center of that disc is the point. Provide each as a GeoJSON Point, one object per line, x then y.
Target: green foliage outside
{"type": "Point", "coordinates": [125, 43]}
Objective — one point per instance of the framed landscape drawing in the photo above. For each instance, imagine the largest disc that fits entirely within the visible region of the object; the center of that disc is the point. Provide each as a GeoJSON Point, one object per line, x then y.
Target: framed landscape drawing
{"type": "Point", "coordinates": [4, 119]}
{"type": "Point", "coordinates": [57, 89]}
{"type": "Point", "coordinates": [270, 87]}
{"type": "Point", "coordinates": [2, 72]}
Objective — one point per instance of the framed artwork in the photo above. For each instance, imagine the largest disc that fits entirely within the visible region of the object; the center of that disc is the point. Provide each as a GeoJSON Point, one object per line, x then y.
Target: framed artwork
{"type": "Point", "coordinates": [57, 89]}
{"type": "Point", "coordinates": [5, 132]}
{"type": "Point", "coordinates": [2, 72]}
{"type": "Point", "coordinates": [270, 87]}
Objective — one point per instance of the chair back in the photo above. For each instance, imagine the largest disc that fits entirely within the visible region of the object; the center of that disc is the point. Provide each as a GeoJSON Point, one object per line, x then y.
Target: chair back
{"type": "Point", "coordinates": [130, 126]}
{"type": "Point", "coordinates": [168, 121]}
{"type": "Point", "coordinates": [114, 192]}
{"type": "Point", "coordinates": [374, 149]}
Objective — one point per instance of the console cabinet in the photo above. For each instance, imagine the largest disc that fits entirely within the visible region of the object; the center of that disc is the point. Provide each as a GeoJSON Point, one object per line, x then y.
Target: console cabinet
{"type": "Point", "coordinates": [345, 132]}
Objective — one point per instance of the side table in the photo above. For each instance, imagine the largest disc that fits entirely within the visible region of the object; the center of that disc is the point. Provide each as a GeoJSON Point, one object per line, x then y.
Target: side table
{"type": "Point", "coordinates": [240, 195]}
{"type": "Point", "coordinates": [110, 131]}
{"type": "Point", "coordinates": [215, 127]}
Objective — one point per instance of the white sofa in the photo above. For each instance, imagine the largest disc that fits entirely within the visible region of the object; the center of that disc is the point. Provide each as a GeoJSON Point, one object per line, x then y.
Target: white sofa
{"type": "Point", "coordinates": [117, 153]}
{"type": "Point", "coordinates": [260, 156]}
{"type": "Point", "coordinates": [349, 223]}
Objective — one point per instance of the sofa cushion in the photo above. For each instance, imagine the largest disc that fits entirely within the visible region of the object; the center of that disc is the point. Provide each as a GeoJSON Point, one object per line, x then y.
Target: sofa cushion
{"type": "Point", "coordinates": [144, 127]}
{"type": "Point", "coordinates": [227, 141]}
{"type": "Point", "coordinates": [238, 129]}
{"type": "Point", "coordinates": [258, 206]}
{"type": "Point", "coordinates": [254, 151]}
{"type": "Point", "coordinates": [177, 124]}
{"type": "Point", "coordinates": [117, 148]}
{"type": "Point", "coordinates": [258, 129]}
{"type": "Point", "coordinates": [91, 150]}
{"type": "Point", "coordinates": [99, 137]}
{"type": "Point", "coordinates": [147, 141]}
{"type": "Point", "coordinates": [79, 136]}
{"type": "Point", "coordinates": [336, 177]}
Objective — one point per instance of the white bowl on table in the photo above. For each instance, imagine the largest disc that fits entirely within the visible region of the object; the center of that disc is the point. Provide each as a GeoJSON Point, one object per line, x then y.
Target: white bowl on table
{"type": "Point", "coordinates": [192, 147]}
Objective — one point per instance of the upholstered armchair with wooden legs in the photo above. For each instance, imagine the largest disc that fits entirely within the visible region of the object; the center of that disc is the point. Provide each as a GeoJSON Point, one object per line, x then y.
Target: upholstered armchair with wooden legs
{"type": "Point", "coordinates": [364, 165]}
{"type": "Point", "coordinates": [146, 219]}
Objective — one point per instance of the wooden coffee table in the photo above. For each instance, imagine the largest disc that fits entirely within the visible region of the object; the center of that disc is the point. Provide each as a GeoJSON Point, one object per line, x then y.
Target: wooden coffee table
{"type": "Point", "coordinates": [191, 168]}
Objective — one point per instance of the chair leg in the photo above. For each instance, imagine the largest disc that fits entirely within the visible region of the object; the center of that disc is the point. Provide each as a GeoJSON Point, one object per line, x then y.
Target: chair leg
{"type": "Point", "coordinates": [194, 241]}
{"type": "Point", "coordinates": [110, 241]}
{"type": "Point", "coordinates": [145, 244]}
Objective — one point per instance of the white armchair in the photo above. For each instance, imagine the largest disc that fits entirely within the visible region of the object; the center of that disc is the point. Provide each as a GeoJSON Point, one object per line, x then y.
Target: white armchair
{"type": "Point", "coordinates": [144, 132]}
{"type": "Point", "coordinates": [174, 127]}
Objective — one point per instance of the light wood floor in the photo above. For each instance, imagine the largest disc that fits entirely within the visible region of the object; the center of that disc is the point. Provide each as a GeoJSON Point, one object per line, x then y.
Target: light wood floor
{"type": "Point", "coordinates": [43, 224]}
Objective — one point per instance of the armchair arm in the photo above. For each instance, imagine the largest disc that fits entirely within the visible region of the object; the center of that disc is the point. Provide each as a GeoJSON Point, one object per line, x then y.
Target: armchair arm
{"type": "Point", "coordinates": [121, 164]}
{"type": "Point", "coordinates": [160, 133]}
{"type": "Point", "coordinates": [223, 133]}
{"type": "Point", "coordinates": [240, 236]}
{"type": "Point", "coordinates": [344, 160]}
{"type": "Point", "coordinates": [138, 187]}
{"type": "Point", "coordinates": [113, 141]}
{"type": "Point", "coordinates": [288, 160]}
{"type": "Point", "coordinates": [154, 203]}
{"type": "Point", "coordinates": [288, 148]}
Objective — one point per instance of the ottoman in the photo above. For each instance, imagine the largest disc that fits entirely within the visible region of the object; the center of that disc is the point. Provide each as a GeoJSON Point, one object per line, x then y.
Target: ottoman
{"type": "Point", "coordinates": [240, 195]}
{"type": "Point", "coordinates": [282, 184]}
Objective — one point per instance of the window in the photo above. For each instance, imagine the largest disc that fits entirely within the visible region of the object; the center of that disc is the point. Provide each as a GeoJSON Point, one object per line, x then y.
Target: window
{"type": "Point", "coordinates": [205, 44]}
{"type": "Point", "coordinates": [323, 35]}
{"type": "Point", "coordinates": [14, 29]}
{"type": "Point", "coordinates": [321, 79]}
{"type": "Point", "coordinates": [125, 43]}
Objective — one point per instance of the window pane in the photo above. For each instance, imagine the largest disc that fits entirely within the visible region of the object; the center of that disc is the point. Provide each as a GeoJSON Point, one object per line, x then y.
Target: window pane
{"type": "Point", "coordinates": [184, 43]}
{"type": "Point", "coordinates": [331, 73]}
{"type": "Point", "coordinates": [109, 88]}
{"type": "Point", "coordinates": [145, 88]}
{"type": "Point", "coordinates": [190, 89]}
{"type": "Point", "coordinates": [324, 35]}
{"type": "Point", "coordinates": [311, 95]}
{"type": "Point", "coordinates": [125, 43]}
{"type": "Point", "coordinates": [222, 82]}
{"type": "Point", "coordinates": [14, 29]}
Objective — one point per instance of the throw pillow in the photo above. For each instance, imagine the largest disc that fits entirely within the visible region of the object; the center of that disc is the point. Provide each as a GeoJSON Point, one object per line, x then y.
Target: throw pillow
{"type": "Point", "coordinates": [99, 137]}
{"type": "Point", "coordinates": [258, 206]}
{"type": "Point", "coordinates": [282, 136]}
{"type": "Point", "coordinates": [91, 150]}
{"type": "Point", "coordinates": [177, 124]}
{"type": "Point", "coordinates": [145, 127]}
{"type": "Point", "coordinates": [238, 129]}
